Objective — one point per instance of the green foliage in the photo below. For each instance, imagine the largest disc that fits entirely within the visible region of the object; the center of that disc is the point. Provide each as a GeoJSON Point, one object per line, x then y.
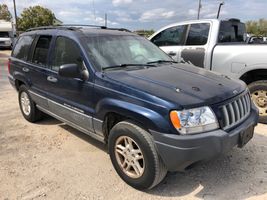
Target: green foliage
{"type": "Point", "coordinates": [5, 13]}
{"type": "Point", "coordinates": [257, 28]}
{"type": "Point", "coordinates": [35, 16]}
{"type": "Point", "coordinates": [145, 33]}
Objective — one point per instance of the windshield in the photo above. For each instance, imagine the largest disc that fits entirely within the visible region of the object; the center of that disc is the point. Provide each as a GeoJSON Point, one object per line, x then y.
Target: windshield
{"type": "Point", "coordinates": [4, 35]}
{"type": "Point", "coordinates": [105, 51]}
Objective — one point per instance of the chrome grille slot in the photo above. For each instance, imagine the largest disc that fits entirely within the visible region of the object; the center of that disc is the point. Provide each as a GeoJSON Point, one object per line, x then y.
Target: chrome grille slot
{"type": "Point", "coordinates": [236, 111]}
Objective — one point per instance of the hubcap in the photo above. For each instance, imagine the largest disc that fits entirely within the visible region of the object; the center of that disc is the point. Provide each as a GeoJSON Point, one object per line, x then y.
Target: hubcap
{"type": "Point", "coordinates": [259, 97]}
{"type": "Point", "coordinates": [25, 103]}
{"type": "Point", "coordinates": [129, 157]}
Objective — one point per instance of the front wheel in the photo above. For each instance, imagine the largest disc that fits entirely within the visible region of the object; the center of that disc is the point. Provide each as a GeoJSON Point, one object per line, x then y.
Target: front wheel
{"type": "Point", "coordinates": [134, 156]}
{"type": "Point", "coordinates": [258, 91]}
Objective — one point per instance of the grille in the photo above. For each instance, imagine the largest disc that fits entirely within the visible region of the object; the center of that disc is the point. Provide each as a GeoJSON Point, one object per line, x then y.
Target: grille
{"type": "Point", "coordinates": [236, 111]}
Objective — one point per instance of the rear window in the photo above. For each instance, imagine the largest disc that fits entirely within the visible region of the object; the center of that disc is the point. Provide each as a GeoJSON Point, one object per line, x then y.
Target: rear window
{"type": "Point", "coordinates": [231, 32]}
{"type": "Point", "coordinates": [4, 35]}
{"type": "Point", "coordinates": [22, 47]}
{"type": "Point", "coordinates": [198, 34]}
{"type": "Point", "coordinates": [41, 50]}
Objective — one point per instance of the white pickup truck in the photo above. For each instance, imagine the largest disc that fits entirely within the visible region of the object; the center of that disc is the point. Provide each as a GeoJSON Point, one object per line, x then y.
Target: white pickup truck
{"type": "Point", "coordinates": [218, 45]}
{"type": "Point", "coordinates": [6, 34]}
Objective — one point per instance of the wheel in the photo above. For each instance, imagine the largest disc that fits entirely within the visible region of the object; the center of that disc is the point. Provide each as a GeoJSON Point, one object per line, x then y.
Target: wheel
{"type": "Point", "coordinates": [134, 156]}
{"type": "Point", "coordinates": [27, 106]}
{"type": "Point", "coordinates": [258, 92]}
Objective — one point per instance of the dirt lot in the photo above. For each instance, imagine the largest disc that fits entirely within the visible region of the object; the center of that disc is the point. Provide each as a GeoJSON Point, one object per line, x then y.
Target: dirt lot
{"type": "Point", "coordinates": [50, 160]}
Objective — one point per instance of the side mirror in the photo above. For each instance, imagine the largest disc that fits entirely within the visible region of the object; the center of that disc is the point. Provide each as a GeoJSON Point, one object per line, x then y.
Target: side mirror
{"type": "Point", "coordinates": [73, 71]}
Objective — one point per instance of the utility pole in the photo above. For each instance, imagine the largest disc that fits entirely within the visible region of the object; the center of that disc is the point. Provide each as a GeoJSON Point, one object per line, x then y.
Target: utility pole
{"type": "Point", "coordinates": [219, 10]}
{"type": "Point", "coordinates": [15, 13]}
{"type": "Point", "coordinates": [199, 7]}
{"type": "Point", "coordinates": [106, 20]}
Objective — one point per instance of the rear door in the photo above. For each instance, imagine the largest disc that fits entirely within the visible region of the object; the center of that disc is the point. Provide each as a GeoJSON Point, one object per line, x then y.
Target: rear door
{"type": "Point", "coordinates": [195, 49]}
{"type": "Point", "coordinates": [37, 68]}
{"type": "Point", "coordinates": [171, 40]}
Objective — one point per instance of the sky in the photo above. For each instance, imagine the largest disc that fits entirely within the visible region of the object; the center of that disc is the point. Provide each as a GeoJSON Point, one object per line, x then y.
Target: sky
{"type": "Point", "coordinates": [143, 14]}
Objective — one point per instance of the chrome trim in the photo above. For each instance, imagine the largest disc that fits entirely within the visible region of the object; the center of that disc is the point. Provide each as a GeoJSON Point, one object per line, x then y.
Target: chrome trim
{"type": "Point", "coordinates": [95, 136]}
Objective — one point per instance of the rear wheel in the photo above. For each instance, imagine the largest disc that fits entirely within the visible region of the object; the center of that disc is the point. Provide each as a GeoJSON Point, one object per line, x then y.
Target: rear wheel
{"type": "Point", "coordinates": [28, 108]}
{"type": "Point", "coordinates": [134, 156]}
{"type": "Point", "coordinates": [258, 92]}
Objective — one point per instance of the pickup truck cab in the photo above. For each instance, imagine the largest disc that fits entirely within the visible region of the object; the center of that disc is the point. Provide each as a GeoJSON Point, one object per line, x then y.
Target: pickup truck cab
{"type": "Point", "coordinates": [219, 45]}
{"type": "Point", "coordinates": [155, 115]}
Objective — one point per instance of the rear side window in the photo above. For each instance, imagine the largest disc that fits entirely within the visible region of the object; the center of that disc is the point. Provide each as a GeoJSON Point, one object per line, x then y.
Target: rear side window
{"type": "Point", "coordinates": [231, 32]}
{"type": "Point", "coordinates": [66, 52]}
{"type": "Point", "coordinates": [41, 50]}
{"type": "Point", "coordinates": [22, 47]}
{"type": "Point", "coordinates": [170, 37]}
{"type": "Point", "coordinates": [198, 34]}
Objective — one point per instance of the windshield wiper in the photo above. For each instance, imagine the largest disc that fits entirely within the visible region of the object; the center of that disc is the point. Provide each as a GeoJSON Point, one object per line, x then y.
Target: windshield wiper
{"type": "Point", "coordinates": [128, 65]}
{"type": "Point", "coordinates": [162, 61]}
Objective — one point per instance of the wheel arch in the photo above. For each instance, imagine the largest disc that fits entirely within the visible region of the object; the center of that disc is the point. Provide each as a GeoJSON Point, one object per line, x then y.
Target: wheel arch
{"type": "Point", "coordinates": [254, 75]}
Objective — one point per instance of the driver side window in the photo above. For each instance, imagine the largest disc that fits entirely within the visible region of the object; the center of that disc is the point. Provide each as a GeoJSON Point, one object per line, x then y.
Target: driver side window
{"type": "Point", "coordinates": [66, 52]}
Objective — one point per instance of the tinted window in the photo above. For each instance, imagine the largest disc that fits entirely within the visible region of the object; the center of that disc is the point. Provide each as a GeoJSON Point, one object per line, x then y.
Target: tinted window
{"type": "Point", "coordinates": [41, 50]}
{"type": "Point", "coordinates": [170, 37]}
{"type": "Point", "coordinates": [66, 52]}
{"type": "Point", "coordinates": [22, 47]}
{"type": "Point", "coordinates": [4, 35]}
{"type": "Point", "coordinates": [231, 32]}
{"type": "Point", "coordinates": [198, 34]}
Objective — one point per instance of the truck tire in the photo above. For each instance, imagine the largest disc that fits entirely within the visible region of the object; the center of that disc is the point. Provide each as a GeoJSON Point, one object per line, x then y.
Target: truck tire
{"type": "Point", "coordinates": [258, 91]}
{"type": "Point", "coordinates": [134, 156]}
{"type": "Point", "coordinates": [27, 107]}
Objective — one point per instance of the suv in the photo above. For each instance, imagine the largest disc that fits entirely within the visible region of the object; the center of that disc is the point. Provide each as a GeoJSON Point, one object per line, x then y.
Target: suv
{"type": "Point", "coordinates": [154, 114]}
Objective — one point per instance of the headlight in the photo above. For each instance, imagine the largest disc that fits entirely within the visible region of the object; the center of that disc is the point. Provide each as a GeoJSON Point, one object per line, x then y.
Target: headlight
{"type": "Point", "coordinates": [195, 120]}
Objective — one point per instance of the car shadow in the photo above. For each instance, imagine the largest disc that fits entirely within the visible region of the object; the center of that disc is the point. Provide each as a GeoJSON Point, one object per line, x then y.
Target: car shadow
{"type": "Point", "coordinates": [239, 173]}
{"type": "Point", "coordinates": [48, 120]}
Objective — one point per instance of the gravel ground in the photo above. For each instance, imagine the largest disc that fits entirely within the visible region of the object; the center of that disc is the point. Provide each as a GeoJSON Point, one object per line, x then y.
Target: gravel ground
{"type": "Point", "coordinates": [50, 160]}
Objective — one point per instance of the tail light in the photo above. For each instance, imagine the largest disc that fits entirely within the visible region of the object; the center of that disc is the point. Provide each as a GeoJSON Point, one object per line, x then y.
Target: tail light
{"type": "Point", "coordinates": [8, 65]}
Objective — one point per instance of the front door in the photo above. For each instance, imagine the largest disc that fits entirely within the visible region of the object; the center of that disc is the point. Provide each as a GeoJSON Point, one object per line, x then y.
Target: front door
{"type": "Point", "coordinates": [70, 98]}
{"type": "Point", "coordinates": [195, 48]}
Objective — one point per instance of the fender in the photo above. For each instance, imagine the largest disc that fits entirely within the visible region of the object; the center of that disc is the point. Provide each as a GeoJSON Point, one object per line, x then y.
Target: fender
{"type": "Point", "coordinates": [149, 118]}
{"type": "Point", "coordinates": [18, 76]}
{"type": "Point", "coordinates": [252, 68]}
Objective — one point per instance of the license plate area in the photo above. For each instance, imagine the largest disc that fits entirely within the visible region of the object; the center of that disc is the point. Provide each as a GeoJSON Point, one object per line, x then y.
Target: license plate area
{"type": "Point", "coordinates": [245, 136]}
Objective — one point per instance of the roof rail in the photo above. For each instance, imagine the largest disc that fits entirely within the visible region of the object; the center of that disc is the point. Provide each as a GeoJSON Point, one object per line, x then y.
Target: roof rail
{"type": "Point", "coordinates": [75, 27]}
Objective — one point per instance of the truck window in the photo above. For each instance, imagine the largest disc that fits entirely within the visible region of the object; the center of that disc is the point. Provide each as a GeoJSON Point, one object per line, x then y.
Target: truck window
{"type": "Point", "coordinates": [4, 35]}
{"type": "Point", "coordinates": [22, 47]}
{"type": "Point", "coordinates": [231, 32]}
{"type": "Point", "coordinates": [41, 50]}
{"type": "Point", "coordinates": [66, 52]}
{"type": "Point", "coordinates": [198, 34]}
{"type": "Point", "coordinates": [170, 37]}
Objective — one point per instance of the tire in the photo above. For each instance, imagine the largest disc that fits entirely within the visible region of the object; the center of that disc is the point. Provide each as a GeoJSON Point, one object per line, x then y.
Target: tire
{"type": "Point", "coordinates": [31, 114]}
{"type": "Point", "coordinates": [258, 91]}
{"type": "Point", "coordinates": [154, 169]}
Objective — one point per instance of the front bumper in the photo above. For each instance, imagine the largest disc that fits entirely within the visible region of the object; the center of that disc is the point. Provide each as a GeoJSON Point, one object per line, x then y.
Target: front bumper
{"type": "Point", "coordinates": [178, 152]}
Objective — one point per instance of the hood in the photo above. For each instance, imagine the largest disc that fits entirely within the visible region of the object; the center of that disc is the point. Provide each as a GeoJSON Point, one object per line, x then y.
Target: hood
{"type": "Point", "coordinates": [181, 84]}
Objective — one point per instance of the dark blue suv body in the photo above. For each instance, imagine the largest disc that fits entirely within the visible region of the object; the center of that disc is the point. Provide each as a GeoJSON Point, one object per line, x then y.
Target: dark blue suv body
{"type": "Point", "coordinates": [155, 115]}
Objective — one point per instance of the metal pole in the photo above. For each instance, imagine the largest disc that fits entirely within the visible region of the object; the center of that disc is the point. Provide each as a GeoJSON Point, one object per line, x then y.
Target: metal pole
{"type": "Point", "coordinates": [15, 12]}
{"type": "Point", "coordinates": [106, 20]}
{"type": "Point", "coordinates": [199, 7]}
{"type": "Point", "coordinates": [219, 10]}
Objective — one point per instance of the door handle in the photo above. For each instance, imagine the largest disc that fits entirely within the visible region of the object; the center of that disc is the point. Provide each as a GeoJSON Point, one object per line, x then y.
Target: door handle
{"type": "Point", "coordinates": [52, 79]}
{"type": "Point", "coordinates": [25, 69]}
{"type": "Point", "coordinates": [172, 53]}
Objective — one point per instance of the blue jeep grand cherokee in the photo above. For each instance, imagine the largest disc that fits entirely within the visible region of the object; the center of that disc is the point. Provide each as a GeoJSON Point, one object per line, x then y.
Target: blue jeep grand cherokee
{"type": "Point", "coordinates": [155, 115]}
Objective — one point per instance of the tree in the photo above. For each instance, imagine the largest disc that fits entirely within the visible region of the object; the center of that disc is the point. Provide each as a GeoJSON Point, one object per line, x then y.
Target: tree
{"type": "Point", "coordinates": [5, 13]}
{"type": "Point", "coordinates": [35, 16]}
{"type": "Point", "coordinates": [258, 28]}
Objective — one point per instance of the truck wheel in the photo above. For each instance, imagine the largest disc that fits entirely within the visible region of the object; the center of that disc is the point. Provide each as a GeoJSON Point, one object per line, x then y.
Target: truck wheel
{"type": "Point", "coordinates": [27, 106]}
{"type": "Point", "coordinates": [134, 156]}
{"type": "Point", "coordinates": [258, 92]}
